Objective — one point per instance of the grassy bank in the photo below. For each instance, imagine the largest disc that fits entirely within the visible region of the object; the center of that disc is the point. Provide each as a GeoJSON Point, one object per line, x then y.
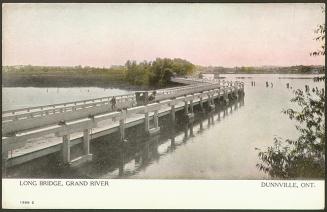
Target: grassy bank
{"type": "Point", "coordinates": [144, 75]}
{"type": "Point", "coordinates": [62, 80]}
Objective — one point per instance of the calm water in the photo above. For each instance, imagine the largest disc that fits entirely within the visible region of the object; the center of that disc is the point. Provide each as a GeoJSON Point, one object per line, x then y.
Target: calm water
{"type": "Point", "coordinates": [214, 147]}
{"type": "Point", "coordinates": [22, 97]}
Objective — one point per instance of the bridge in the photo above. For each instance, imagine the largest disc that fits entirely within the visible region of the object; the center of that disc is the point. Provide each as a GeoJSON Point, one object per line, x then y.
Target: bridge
{"type": "Point", "coordinates": [34, 132]}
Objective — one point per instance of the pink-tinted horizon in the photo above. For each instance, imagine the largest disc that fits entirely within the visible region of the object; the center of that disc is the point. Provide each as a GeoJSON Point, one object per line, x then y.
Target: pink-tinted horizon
{"type": "Point", "coordinates": [102, 35]}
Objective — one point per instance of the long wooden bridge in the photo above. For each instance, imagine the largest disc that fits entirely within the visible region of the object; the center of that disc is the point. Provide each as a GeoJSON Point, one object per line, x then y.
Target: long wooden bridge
{"type": "Point", "coordinates": [34, 132]}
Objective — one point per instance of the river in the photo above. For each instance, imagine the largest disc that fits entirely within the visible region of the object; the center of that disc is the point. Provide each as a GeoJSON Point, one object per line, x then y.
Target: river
{"type": "Point", "coordinates": [214, 147]}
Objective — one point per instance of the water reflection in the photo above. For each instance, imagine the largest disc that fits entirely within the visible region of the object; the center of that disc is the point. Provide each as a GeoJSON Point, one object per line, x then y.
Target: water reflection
{"type": "Point", "coordinates": [114, 159]}
{"type": "Point", "coordinates": [138, 154]}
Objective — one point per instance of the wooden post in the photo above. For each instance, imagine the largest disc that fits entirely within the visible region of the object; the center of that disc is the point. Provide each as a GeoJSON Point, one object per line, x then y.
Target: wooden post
{"type": "Point", "coordinates": [121, 164]}
{"type": "Point", "coordinates": [122, 129]}
{"type": "Point", "coordinates": [186, 108]}
{"type": "Point", "coordinates": [156, 119]}
{"type": "Point", "coordinates": [172, 143]}
{"type": "Point", "coordinates": [172, 112]}
{"type": "Point", "coordinates": [66, 148]}
{"type": "Point", "coordinates": [4, 161]}
{"type": "Point", "coordinates": [191, 105]}
{"type": "Point", "coordinates": [201, 104]}
{"type": "Point", "coordinates": [147, 122]}
{"type": "Point", "coordinates": [185, 132]}
{"type": "Point", "coordinates": [86, 141]}
{"type": "Point", "coordinates": [191, 129]}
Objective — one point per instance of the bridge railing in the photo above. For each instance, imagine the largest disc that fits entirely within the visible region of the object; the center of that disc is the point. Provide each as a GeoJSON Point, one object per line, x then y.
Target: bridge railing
{"type": "Point", "coordinates": [29, 118]}
{"type": "Point", "coordinates": [64, 105]}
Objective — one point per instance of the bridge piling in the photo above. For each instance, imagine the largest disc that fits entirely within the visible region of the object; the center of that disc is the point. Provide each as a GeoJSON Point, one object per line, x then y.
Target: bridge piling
{"type": "Point", "coordinates": [86, 141]}
{"type": "Point", "coordinates": [66, 149]}
{"type": "Point", "coordinates": [156, 119]}
{"type": "Point", "coordinates": [191, 130]}
{"type": "Point", "coordinates": [201, 126]}
{"type": "Point", "coordinates": [201, 104]}
{"type": "Point", "coordinates": [146, 122]}
{"type": "Point", "coordinates": [210, 102]}
{"type": "Point", "coordinates": [186, 107]}
{"type": "Point", "coordinates": [156, 129]}
{"type": "Point", "coordinates": [122, 129]}
{"type": "Point", "coordinates": [4, 163]}
{"type": "Point", "coordinates": [77, 116]}
{"type": "Point", "coordinates": [172, 112]}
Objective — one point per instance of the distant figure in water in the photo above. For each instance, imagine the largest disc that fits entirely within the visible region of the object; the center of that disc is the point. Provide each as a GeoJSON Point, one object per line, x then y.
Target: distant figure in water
{"type": "Point", "coordinates": [287, 85]}
{"type": "Point", "coordinates": [267, 84]}
{"type": "Point", "coordinates": [271, 84]}
{"type": "Point", "coordinates": [113, 103]}
{"type": "Point", "coordinates": [306, 88]}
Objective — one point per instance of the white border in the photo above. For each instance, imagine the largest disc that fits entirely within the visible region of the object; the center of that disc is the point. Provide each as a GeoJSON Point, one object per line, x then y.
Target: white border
{"type": "Point", "coordinates": [165, 194]}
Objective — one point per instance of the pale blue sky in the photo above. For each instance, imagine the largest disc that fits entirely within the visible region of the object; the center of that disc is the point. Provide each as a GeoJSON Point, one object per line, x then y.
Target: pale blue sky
{"type": "Point", "coordinates": [206, 34]}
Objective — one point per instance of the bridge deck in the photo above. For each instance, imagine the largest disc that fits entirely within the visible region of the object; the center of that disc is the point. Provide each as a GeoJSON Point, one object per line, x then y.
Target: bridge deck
{"type": "Point", "coordinates": [38, 131]}
{"type": "Point", "coordinates": [41, 146]}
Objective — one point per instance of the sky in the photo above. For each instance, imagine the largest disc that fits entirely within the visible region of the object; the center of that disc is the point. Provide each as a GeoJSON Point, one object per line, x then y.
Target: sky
{"type": "Point", "coordinates": [102, 35]}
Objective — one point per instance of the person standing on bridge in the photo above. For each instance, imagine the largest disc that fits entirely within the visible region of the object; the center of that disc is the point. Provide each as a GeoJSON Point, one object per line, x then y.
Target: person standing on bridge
{"type": "Point", "coordinates": [113, 103]}
{"type": "Point", "coordinates": [152, 96]}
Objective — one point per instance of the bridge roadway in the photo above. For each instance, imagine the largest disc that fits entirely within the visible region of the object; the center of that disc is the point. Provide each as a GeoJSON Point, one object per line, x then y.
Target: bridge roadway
{"type": "Point", "coordinates": [30, 133]}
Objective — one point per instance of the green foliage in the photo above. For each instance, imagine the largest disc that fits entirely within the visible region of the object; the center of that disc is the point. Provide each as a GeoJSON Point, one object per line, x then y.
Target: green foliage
{"type": "Point", "coordinates": [62, 76]}
{"type": "Point", "coordinates": [320, 37]}
{"type": "Point", "coordinates": [247, 70]}
{"type": "Point", "coordinates": [305, 156]}
{"type": "Point", "coordinates": [158, 72]}
{"type": "Point", "coordinates": [64, 70]}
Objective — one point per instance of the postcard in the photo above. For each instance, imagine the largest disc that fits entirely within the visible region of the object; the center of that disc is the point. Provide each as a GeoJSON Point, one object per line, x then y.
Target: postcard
{"type": "Point", "coordinates": [163, 105]}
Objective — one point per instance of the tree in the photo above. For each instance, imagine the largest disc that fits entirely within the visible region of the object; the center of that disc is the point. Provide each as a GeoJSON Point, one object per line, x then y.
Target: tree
{"type": "Point", "coordinates": [305, 156]}
{"type": "Point", "coordinates": [158, 72]}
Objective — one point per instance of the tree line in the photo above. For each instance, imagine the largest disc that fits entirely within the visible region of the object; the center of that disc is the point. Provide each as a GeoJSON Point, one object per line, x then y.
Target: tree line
{"type": "Point", "coordinates": [155, 73]}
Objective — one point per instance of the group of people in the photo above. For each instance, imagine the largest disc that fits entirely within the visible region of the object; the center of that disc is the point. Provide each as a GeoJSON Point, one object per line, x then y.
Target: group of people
{"type": "Point", "coordinates": [152, 96]}
{"type": "Point", "coordinates": [150, 99]}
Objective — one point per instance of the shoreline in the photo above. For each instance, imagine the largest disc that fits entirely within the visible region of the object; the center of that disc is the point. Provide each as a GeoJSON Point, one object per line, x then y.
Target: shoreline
{"type": "Point", "coordinates": [71, 81]}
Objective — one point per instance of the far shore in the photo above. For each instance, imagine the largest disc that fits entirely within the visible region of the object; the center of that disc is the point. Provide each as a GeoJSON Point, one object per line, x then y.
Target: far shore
{"type": "Point", "coordinates": [48, 81]}
{"type": "Point", "coordinates": [100, 80]}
